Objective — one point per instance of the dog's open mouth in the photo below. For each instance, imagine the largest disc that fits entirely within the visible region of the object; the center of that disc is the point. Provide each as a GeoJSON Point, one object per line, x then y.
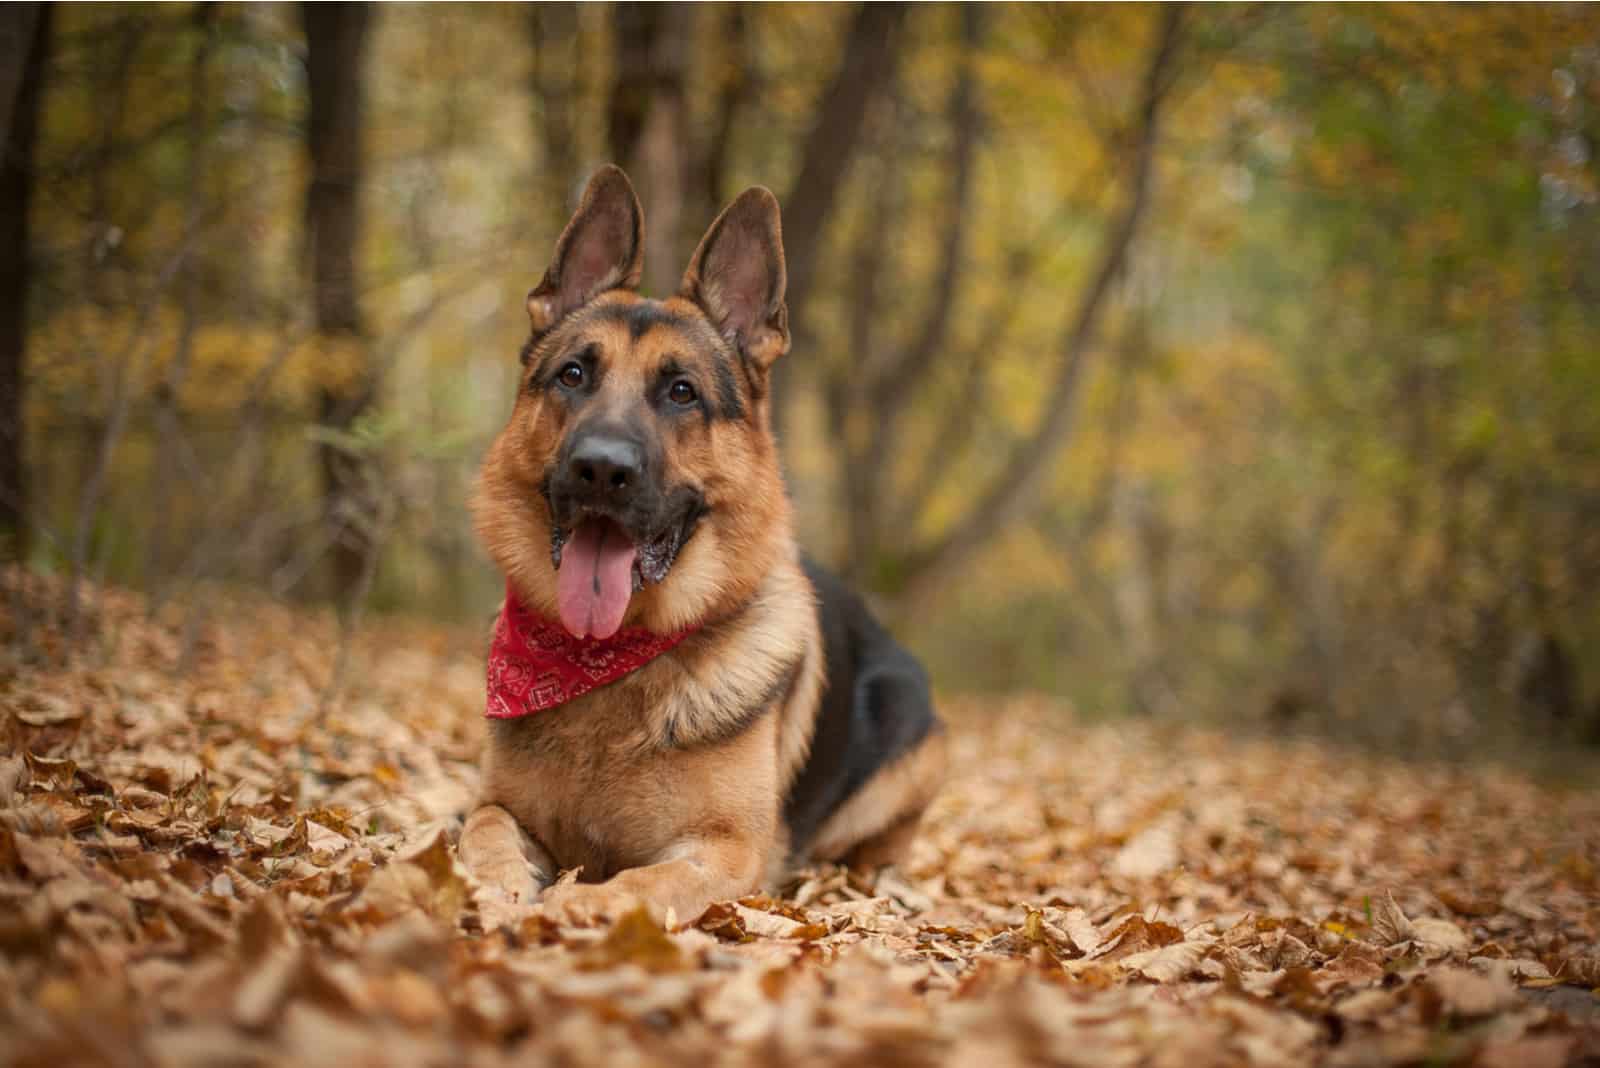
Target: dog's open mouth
{"type": "Point", "coordinates": [600, 565]}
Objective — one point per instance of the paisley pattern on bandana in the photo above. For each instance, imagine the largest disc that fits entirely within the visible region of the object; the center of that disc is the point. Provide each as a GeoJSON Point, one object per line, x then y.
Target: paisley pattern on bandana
{"type": "Point", "coordinates": [534, 664]}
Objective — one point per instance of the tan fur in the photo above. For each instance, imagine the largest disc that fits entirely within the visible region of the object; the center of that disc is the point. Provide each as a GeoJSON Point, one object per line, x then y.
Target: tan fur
{"type": "Point", "coordinates": [667, 785]}
{"type": "Point", "coordinates": [875, 826]}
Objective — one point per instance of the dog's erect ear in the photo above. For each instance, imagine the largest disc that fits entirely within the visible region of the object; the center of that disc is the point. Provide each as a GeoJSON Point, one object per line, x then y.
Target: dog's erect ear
{"type": "Point", "coordinates": [602, 248]}
{"type": "Point", "coordinates": [737, 277]}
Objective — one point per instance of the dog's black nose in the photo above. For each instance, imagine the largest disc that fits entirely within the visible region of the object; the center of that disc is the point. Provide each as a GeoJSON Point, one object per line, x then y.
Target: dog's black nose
{"type": "Point", "coordinates": [605, 466]}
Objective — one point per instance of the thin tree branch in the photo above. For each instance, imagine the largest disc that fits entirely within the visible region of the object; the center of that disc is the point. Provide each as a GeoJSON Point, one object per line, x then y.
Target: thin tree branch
{"type": "Point", "coordinates": [871, 55]}
{"type": "Point", "coordinates": [1017, 489]}
{"type": "Point", "coordinates": [734, 85]}
{"type": "Point", "coordinates": [886, 374]}
{"type": "Point", "coordinates": [17, 22]}
{"type": "Point", "coordinates": [844, 391]}
{"type": "Point", "coordinates": [963, 419]}
{"type": "Point", "coordinates": [889, 372]}
{"type": "Point", "coordinates": [554, 29]}
{"type": "Point", "coordinates": [169, 414]}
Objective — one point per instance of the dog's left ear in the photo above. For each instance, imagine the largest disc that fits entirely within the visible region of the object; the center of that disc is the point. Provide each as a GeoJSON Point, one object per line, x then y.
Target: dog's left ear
{"type": "Point", "coordinates": [737, 277]}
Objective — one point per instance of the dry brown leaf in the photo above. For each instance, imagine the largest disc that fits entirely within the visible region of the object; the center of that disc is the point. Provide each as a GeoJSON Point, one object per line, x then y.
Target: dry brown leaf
{"type": "Point", "coordinates": [1079, 930]}
{"type": "Point", "coordinates": [1368, 1005]}
{"type": "Point", "coordinates": [1167, 964]}
{"type": "Point", "coordinates": [1149, 853]}
{"type": "Point", "coordinates": [1580, 970]}
{"type": "Point", "coordinates": [265, 988]}
{"type": "Point", "coordinates": [1544, 1051]}
{"type": "Point", "coordinates": [321, 839]}
{"type": "Point", "coordinates": [13, 777]}
{"type": "Point", "coordinates": [1389, 925]}
{"type": "Point", "coordinates": [1463, 992]}
{"type": "Point", "coordinates": [1440, 935]}
{"type": "Point", "coordinates": [637, 939]}
{"type": "Point", "coordinates": [299, 903]}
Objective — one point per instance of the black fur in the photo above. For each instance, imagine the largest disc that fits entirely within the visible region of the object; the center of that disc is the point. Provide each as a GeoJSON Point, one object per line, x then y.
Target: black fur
{"type": "Point", "coordinates": [729, 403]}
{"type": "Point", "coordinates": [877, 708]}
{"type": "Point", "coordinates": [640, 317]}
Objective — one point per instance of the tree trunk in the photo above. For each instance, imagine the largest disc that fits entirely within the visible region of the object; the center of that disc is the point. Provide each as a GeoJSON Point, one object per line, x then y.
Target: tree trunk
{"type": "Point", "coordinates": [1017, 489]}
{"type": "Point", "coordinates": [336, 42]}
{"type": "Point", "coordinates": [851, 421]}
{"type": "Point", "coordinates": [21, 130]}
{"type": "Point", "coordinates": [871, 53]}
{"type": "Point", "coordinates": [554, 27]}
{"type": "Point", "coordinates": [17, 23]}
{"type": "Point", "coordinates": [891, 372]}
{"type": "Point", "coordinates": [649, 128]}
{"type": "Point", "coordinates": [168, 403]}
{"type": "Point", "coordinates": [707, 185]}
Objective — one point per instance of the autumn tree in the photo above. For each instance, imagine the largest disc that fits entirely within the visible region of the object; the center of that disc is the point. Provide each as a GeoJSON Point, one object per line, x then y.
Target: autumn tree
{"type": "Point", "coordinates": [1175, 358]}
{"type": "Point", "coordinates": [872, 389]}
{"type": "Point", "coordinates": [648, 121]}
{"type": "Point", "coordinates": [336, 46]}
{"type": "Point", "coordinates": [866, 66]}
{"type": "Point", "coordinates": [554, 91]}
{"type": "Point", "coordinates": [24, 51]}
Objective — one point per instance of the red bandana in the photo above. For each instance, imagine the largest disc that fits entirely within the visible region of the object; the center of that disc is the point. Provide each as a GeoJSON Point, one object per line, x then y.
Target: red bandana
{"type": "Point", "coordinates": [534, 664]}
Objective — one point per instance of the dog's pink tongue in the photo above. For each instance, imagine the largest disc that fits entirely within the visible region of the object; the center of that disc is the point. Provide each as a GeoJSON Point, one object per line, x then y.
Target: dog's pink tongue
{"type": "Point", "coordinates": [595, 579]}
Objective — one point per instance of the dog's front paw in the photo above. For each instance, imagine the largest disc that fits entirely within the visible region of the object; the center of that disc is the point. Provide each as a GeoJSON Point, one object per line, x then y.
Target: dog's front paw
{"type": "Point", "coordinates": [506, 891]}
{"type": "Point", "coordinates": [499, 908]}
{"type": "Point", "coordinates": [588, 904]}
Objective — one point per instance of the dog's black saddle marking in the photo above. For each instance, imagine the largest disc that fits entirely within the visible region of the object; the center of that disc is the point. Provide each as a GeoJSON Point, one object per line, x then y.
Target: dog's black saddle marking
{"type": "Point", "coordinates": [877, 708]}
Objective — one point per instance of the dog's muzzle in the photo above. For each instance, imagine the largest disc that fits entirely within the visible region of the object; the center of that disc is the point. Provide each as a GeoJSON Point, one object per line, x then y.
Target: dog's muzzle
{"type": "Point", "coordinates": [614, 527]}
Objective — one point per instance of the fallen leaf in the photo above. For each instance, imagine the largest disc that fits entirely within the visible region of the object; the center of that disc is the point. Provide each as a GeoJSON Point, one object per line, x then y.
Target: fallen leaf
{"type": "Point", "coordinates": [1149, 853]}
{"type": "Point", "coordinates": [1167, 964]}
{"type": "Point", "coordinates": [1389, 925]}
{"type": "Point", "coordinates": [1466, 993]}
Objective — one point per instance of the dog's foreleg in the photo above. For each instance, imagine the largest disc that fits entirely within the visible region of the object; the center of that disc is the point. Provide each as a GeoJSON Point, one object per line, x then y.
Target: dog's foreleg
{"type": "Point", "coordinates": [690, 876]}
{"type": "Point", "coordinates": [510, 867]}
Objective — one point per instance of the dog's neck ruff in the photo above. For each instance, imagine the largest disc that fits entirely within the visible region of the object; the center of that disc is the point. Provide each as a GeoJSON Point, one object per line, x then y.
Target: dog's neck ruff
{"type": "Point", "coordinates": [535, 664]}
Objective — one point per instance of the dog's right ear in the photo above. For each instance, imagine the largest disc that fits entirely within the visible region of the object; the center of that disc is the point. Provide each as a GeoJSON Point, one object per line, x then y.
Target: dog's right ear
{"type": "Point", "coordinates": [738, 277]}
{"type": "Point", "coordinates": [602, 248]}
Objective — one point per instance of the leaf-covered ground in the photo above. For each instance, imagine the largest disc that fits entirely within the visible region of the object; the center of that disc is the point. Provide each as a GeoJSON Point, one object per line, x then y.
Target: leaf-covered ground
{"type": "Point", "coordinates": [202, 861]}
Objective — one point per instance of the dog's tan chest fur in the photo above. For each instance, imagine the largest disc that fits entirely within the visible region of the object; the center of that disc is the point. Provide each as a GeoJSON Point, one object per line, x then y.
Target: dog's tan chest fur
{"type": "Point", "coordinates": [612, 808]}
{"type": "Point", "coordinates": [689, 748]}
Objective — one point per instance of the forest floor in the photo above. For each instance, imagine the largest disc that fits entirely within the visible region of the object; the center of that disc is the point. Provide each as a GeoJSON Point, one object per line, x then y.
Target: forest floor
{"type": "Point", "coordinates": [205, 861]}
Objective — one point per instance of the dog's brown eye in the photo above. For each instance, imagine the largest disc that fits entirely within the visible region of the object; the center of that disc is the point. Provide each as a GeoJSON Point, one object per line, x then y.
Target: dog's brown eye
{"type": "Point", "coordinates": [682, 392]}
{"type": "Point", "coordinates": [571, 375]}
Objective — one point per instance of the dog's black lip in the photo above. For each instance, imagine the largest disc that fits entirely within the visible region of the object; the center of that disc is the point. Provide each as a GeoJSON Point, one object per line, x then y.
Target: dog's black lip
{"type": "Point", "coordinates": [657, 549]}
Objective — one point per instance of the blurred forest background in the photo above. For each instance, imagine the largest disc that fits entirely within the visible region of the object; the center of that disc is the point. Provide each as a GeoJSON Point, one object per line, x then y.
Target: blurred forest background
{"type": "Point", "coordinates": [1238, 361]}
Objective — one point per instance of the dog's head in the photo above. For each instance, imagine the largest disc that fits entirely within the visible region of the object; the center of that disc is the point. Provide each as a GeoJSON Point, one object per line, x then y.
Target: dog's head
{"type": "Point", "coordinates": [637, 482]}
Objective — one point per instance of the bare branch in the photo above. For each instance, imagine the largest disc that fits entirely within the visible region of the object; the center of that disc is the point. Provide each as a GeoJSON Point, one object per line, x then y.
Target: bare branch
{"type": "Point", "coordinates": [18, 140]}
{"type": "Point", "coordinates": [649, 122]}
{"type": "Point", "coordinates": [169, 415]}
{"type": "Point", "coordinates": [1017, 489]}
{"type": "Point", "coordinates": [17, 22]}
{"type": "Point", "coordinates": [844, 395]}
{"type": "Point", "coordinates": [871, 55]}
{"type": "Point", "coordinates": [966, 120]}
{"type": "Point", "coordinates": [337, 39]}
{"type": "Point", "coordinates": [554, 28]}
{"type": "Point", "coordinates": [734, 89]}
{"type": "Point", "coordinates": [962, 420]}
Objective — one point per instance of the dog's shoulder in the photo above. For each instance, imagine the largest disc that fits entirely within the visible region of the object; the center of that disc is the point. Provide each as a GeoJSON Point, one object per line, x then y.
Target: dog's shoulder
{"type": "Point", "coordinates": [738, 669]}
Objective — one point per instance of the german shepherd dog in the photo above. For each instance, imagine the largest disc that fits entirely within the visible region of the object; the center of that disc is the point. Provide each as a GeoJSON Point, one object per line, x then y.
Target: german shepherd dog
{"type": "Point", "coordinates": [637, 485]}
